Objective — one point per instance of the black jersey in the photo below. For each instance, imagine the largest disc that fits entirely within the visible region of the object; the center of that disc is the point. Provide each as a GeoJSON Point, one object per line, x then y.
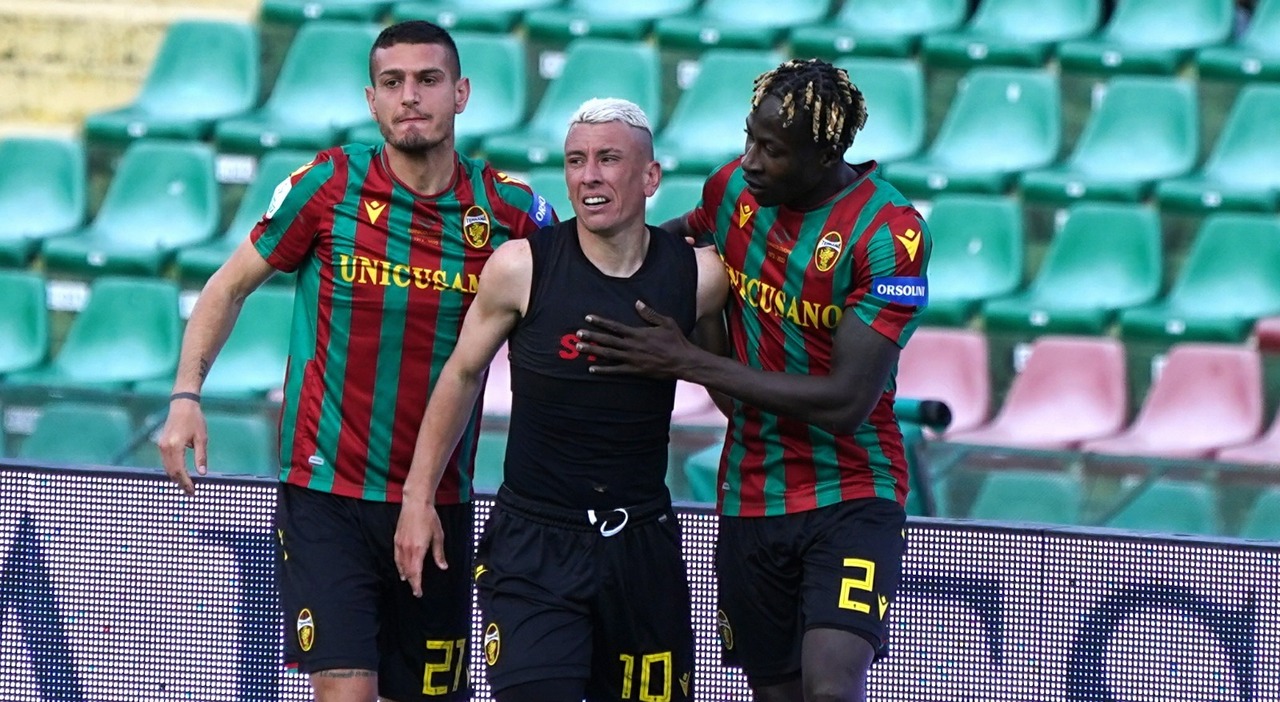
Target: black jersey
{"type": "Point", "coordinates": [577, 439]}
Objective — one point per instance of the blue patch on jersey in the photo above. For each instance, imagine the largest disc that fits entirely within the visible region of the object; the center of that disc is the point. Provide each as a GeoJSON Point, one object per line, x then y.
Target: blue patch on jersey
{"type": "Point", "coordinates": [906, 290]}
{"type": "Point", "coordinates": [540, 211]}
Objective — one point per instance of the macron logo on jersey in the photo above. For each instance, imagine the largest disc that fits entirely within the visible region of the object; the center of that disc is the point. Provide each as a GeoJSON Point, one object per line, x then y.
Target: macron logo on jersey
{"type": "Point", "coordinates": [906, 290]}
{"type": "Point", "coordinates": [540, 211]}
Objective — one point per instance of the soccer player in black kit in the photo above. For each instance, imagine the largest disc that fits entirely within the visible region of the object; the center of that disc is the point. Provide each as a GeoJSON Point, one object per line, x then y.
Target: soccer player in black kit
{"type": "Point", "coordinates": [580, 572]}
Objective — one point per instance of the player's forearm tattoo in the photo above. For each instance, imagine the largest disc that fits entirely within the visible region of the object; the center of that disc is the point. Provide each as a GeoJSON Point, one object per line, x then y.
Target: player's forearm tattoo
{"type": "Point", "coordinates": [203, 368]}
{"type": "Point", "coordinates": [347, 674]}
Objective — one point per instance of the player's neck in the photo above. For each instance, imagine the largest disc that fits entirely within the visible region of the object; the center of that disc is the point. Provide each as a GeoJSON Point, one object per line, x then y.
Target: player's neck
{"type": "Point", "coordinates": [427, 173]}
{"type": "Point", "coordinates": [617, 255]}
{"type": "Point", "coordinates": [836, 178]}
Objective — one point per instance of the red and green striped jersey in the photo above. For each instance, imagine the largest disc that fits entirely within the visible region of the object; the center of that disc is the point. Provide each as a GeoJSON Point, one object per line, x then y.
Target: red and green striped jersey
{"type": "Point", "coordinates": [385, 276]}
{"type": "Point", "coordinates": [796, 274]}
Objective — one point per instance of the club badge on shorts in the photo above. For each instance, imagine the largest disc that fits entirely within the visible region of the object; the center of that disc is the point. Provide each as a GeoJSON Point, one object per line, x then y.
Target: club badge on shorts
{"type": "Point", "coordinates": [492, 643]}
{"type": "Point", "coordinates": [723, 628]}
{"type": "Point", "coordinates": [306, 630]}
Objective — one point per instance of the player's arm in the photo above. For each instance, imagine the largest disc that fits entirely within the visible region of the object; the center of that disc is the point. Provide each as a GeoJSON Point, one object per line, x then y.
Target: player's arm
{"type": "Point", "coordinates": [710, 333]}
{"type": "Point", "coordinates": [212, 319]}
{"type": "Point", "coordinates": [503, 291]}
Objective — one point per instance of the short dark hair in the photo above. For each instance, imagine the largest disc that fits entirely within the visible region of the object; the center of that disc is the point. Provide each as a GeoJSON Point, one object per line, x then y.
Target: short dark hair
{"type": "Point", "coordinates": [834, 104]}
{"type": "Point", "coordinates": [416, 32]}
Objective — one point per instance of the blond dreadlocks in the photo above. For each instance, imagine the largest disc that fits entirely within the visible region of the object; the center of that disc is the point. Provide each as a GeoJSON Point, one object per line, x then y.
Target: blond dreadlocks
{"type": "Point", "coordinates": [821, 90]}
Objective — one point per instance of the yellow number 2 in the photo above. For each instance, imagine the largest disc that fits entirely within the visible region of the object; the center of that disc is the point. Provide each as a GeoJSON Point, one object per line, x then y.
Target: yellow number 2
{"type": "Point", "coordinates": [847, 585]}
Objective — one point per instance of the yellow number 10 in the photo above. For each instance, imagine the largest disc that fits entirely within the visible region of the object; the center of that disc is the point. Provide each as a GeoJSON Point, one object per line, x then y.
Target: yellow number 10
{"type": "Point", "coordinates": [647, 662]}
{"type": "Point", "coordinates": [847, 585]}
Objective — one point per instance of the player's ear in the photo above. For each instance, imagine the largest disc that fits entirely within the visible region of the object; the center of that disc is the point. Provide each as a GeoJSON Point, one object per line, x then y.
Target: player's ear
{"type": "Point", "coordinates": [461, 94]}
{"type": "Point", "coordinates": [368, 97]}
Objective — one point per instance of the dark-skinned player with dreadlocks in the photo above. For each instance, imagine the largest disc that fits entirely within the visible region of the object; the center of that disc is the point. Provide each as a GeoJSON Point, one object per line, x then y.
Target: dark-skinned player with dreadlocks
{"type": "Point", "coordinates": [828, 261]}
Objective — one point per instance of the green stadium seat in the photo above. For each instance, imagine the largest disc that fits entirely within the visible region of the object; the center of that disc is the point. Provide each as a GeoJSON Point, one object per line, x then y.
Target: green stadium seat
{"type": "Point", "coordinates": [129, 331]}
{"type": "Point", "coordinates": [1243, 172]}
{"type": "Point", "coordinates": [495, 64]}
{"type": "Point", "coordinates": [317, 98]}
{"type": "Point", "coordinates": [42, 194]}
{"type": "Point", "coordinates": [300, 11]}
{"type": "Point", "coordinates": [702, 133]}
{"type": "Point", "coordinates": [239, 445]}
{"type": "Point", "coordinates": [1106, 258]}
{"type": "Point", "coordinates": [1263, 521]}
{"type": "Point", "coordinates": [1254, 56]}
{"type": "Point", "coordinates": [24, 322]}
{"type": "Point", "coordinates": [162, 197]}
{"type": "Point", "coordinates": [632, 74]}
{"type": "Point", "coordinates": [603, 20]}
{"type": "Point", "coordinates": [74, 432]}
{"type": "Point", "coordinates": [894, 90]}
{"type": "Point", "coordinates": [1028, 496]}
{"type": "Point", "coordinates": [1013, 32]}
{"type": "Point", "coordinates": [879, 27]}
{"type": "Point", "coordinates": [491, 455]}
{"type": "Point", "coordinates": [1150, 36]}
{"type": "Point", "coordinates": [1145, 130]}
{"type": "Point", "coordinates": [675, 197]}
{"type": "Point", "coordinates": [252, 362]}
{"type": "Point", "coordinates": [747, 24]}
{"type": "Point", "coordinates": [497, 16]}
{"type": "Point", "coordinates": [701, 471]}
{"type": "Point", "coordinates": [197, 263]}
{"type": "Point", "coordinates": [1170, 507]}
{"type": "Point", "coordinates": [204, 71]}
{"type": "Point", "coordinates": [1002, 122]}
{"type": "Point", "coordinates": [1227, 281]}
{"type": "Point", "coordinates": [977, 255]}
{"type": "Point", "coordinates": [550, 183]}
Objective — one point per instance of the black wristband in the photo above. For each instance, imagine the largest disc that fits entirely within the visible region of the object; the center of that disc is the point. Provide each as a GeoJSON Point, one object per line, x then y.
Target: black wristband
{"type": "Point", "coordinates": [193, 396]}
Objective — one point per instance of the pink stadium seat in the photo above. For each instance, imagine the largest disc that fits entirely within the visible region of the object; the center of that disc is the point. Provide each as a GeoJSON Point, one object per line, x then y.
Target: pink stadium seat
{"type": "Point", "coordinates": [1071, 391]}
{"type": "Point", "coordinates": [694, 408]}
{"type": "Point", "coordinates": [1264, 451]}
{"type": "Point", "coordinates": [948, 365]}
{"type": "Point", "coordinates": [497, 389]}
{"type": "Point", "coordinates": [1208, 396]}
{"type": "Point", "coordinates": [1267, 330]}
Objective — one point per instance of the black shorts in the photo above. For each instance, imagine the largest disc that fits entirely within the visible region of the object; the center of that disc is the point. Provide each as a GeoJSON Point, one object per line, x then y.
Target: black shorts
{"type": "Point", "coordinates": [836, 567]}
{"type": "Point", "coordinates": [346, 607]}
{"type": "Point", "coordinates": [565, 598]}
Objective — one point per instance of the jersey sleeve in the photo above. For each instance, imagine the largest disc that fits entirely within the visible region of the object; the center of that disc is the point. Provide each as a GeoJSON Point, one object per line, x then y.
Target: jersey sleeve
{"type": "Point", "coordinates": [701, 220]}
{"type": "Point", "coordinates": [287, 230]}
{"type": "Point", "coordinates": [891, 286]}
{"type": "Point", "coordinates": [516, 206]}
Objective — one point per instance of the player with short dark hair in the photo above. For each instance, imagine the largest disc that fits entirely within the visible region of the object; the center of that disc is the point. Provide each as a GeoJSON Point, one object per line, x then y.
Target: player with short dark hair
{"type": "Point", "coordinates": [828, 264]}
{"type": "Point", "coordinates": [388, 242]}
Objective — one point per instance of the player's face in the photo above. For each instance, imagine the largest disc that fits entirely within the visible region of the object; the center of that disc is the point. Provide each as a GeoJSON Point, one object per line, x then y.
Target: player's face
{"type": "Point", "coordinates": [415, 96]}
{"type": "Point", "coordinates": [610, 171]}
{"type": "Point", "coordinates": [781, 164]}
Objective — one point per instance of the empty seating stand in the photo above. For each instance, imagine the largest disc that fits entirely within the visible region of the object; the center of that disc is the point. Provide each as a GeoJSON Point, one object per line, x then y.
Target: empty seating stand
{"type": "Point", "coordinates": [1254, 56]}
{"type": "Point", "coordinates": [948, 365]}
{"type": "Point", "coordinates": [1013, 32]}
{"type": "Point", "coordinates": [42, 194]}
{"type": "Point", "coordinates": [978, 251]}
{"type": "Point", "coordinates": [1150, 36]}
{"type": "Point", "coordinates": [879, 27]}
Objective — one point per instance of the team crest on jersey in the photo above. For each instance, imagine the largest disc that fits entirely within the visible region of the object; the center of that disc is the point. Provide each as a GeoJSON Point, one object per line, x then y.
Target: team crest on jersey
{"type": "Point", "coordinates": [828, 252]}
{"type": "Point", "coordinates": [306, 630]}
{"type": "Point", "coordinates": [492, 643]}
{"type": "Point", "coordinates": [725, 631]}
{"type": "Point", "coordinates": [475, 227]}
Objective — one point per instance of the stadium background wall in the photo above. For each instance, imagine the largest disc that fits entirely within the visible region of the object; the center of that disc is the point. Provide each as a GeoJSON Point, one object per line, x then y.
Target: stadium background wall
{"type": "Point", "coordinates": [115, 587]}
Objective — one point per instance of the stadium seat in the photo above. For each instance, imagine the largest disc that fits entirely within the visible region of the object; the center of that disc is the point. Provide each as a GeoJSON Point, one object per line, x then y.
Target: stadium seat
{"type": "Point", "coordinates": [631, 21]}
{"type": "Point", "coordinates": [317, 98]}
{"type": "Point", "coordinates": [1150, 36]}
{"type": "Point", "coordinates": [1170, 507]}
{"type": "Point", "coordinates": [300, 11]}
{"type": "Point", "coordinates": [977, 255]}
{"type": "Point", "coordinates": [77, 433]}
{"type": "Point", "coordinates": [1265, 451]}
{"type": "Point", "coordinates": [1254, 56]}
{"type": "Point", "coordinates": [497, 387]}
{"type": "Point", "coordinates": [1106, 258]}
{"type": "Point", "coordinates": [694, 408]}
{"type": "Point", "coordinates": [1243, 171]}
{"type": "Point", "coordinates": [1013, 32]}
{"type": "Point", "coordinates": [1002, 122]}
{"type": "Point", "coordinates": [879, 27]}
{"type": "Point", "coordinates": [676, 196]}
{"type": "Point", "coordinates": [948, 365]}
{"type": "Point", "coordinates": [1209, 396]}
{"type": "Point", "coordinates": [1267, 330]}
{"type": "Point", "coordinates": [205, 71]}
{"type": "Point", "coordinates": [252, 362]}
{"type": "Point", "coordinates": [1227, 281]}
{"type": "Point", "coordinates": [495, 16]}
{"type": "Point", "coordinates": [495, 65]}
{"type": "Point", "coordinates": [550, 183]}
{"type": "Point", "coordinates": [163, 196]}
{"type": "Point", "coordinates": [197, 263]}
{"type": "Point", "coordinates": [896, 125]}
{"type": "Point", "coordinates": [1145, 130]}
{"type": "Point", "coordinates": [24, 322]}
{"type": "Point", "coordinates": [1028, 496]}
{"type": "Point", "coordinates": [42, 194]}
{"type": "Point", "coordinates": [701, 471]}
{"type": "Point", "coordinates": [239, 445]}
{"type": "Point", "coordinates": [748, 24]}
{"type": "Point", "coordinates": [127, 332]}
{"type": "Point", "coordinates": [1262, 522]}
{"type": "Point", "coordinates": [632, 74]}
{"type": "Point", "coordinates": [1072, 390]}
{"type": "Point", "coordinates": [491, 455]}
{"type": "Point", "coordinates": [702, 134]}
